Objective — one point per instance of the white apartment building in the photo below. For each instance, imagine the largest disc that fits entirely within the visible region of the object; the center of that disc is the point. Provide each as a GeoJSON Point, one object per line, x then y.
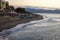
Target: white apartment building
{"type": "Point", "coordinates": [2, 5]}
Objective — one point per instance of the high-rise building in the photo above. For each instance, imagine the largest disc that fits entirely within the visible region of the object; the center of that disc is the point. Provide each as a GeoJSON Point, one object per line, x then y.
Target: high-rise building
{"type": "Point", "coordinates": [2, 5]}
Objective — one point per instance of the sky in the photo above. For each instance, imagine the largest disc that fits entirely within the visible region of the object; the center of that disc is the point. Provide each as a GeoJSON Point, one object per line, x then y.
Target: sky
{"type": "Point", "coordinates": [37, 3]}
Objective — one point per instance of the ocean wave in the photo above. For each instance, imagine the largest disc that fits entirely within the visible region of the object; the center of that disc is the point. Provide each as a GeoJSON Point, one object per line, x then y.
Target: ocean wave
{"type": "Point", "coordinates": [21, 26]}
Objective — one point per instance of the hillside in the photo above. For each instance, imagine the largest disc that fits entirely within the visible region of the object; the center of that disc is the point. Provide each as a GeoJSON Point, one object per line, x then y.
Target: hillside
{"type": "Point", "coordinates": [41, 10]}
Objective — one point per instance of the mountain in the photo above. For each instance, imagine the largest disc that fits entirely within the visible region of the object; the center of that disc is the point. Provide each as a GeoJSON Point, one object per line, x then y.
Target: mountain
{"type": "Point", "coordinates": [41, 10]}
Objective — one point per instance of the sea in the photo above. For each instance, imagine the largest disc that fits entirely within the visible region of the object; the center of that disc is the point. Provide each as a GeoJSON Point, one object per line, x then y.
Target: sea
{"type": "Point", "coordinates": [46, 29]}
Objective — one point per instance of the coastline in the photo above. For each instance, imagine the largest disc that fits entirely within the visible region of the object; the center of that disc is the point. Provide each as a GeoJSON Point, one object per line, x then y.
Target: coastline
{"type": "Point", "coordinates": [20, 21]}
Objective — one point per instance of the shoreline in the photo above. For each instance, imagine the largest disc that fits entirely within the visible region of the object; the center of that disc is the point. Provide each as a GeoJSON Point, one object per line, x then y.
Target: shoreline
{"type": "Point", "coordinates": [20, 21]}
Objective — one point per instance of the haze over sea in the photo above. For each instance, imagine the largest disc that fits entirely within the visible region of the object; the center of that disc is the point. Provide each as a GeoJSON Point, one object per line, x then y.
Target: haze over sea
{"type": "Point", "coordinates": [46, 29]}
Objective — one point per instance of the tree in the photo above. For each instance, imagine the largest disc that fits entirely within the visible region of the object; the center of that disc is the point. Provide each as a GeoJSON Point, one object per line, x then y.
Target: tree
{"type": "Point", "coordinates": [12, 8]}
{"type": "Point", "coordinates": [20, 10]}
{"type": "Point", "coordinates": [7, 9]}
{"type": "Point", "coordinates": [7, 4]}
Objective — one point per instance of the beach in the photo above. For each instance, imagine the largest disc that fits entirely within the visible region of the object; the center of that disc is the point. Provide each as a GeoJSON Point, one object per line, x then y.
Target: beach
{"type": "Point", "coordinates": [10, 22]}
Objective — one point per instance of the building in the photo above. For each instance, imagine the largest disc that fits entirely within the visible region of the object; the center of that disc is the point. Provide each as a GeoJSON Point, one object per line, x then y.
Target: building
{"type": "Point", "coordinates": [2, 5]}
